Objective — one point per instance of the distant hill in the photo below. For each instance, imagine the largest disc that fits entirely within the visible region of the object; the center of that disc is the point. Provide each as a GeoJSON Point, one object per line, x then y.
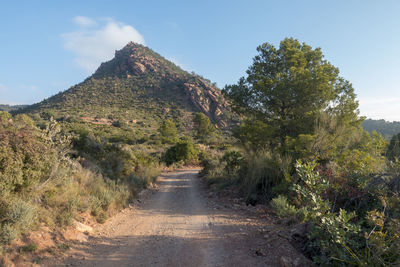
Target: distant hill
{"type": "Point", "coordinates": [139, 86]}
{"type": "Point", "coordinates": [386, 128]}
{"type": "Point", "coordinates": [11, 107]}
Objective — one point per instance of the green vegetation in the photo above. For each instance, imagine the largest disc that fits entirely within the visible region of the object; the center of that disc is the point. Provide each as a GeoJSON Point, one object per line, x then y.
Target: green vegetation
{"type": "Point", "coordinates": [385, 128]}
{"type": "Point", "coordinates": [51, 175]}
{"type": "Point", "coordinates": [29, 248]}
{"type": "Point", "coordinates": [301, 146]}
{"type": "Point", "coordinates": [393, 150]}
{"type": "Point", "coordinates": [183, 151]}
{"type": "Point", "coordinates": [168, 131]}
{"type": "Point", "coordinates": [288, 89]}
{"type": "Point", "coordinates": [202, 126]}
{"type": "Point", "coordinates": [365, 232]}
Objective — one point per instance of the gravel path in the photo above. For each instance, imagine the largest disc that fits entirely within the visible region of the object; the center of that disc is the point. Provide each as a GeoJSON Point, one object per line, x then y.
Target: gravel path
{"type": "Point", "coordinates": [178, 224]}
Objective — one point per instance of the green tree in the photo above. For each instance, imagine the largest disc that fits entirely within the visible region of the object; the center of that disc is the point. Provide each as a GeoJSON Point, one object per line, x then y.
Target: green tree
{"type": "Point", "coordinates": [202, 125]}
{"type": "Point", "coordinates": [289, 87]}
{"type": "Point", "coordinates": [393, 151]}
{"type": "Point", "coordinates": [168, 131]}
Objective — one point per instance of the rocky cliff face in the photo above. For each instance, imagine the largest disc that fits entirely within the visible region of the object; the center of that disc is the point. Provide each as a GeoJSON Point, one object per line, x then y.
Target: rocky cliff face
{"type": "Point", "coordinates": [208, 100]}
{"type": "Point", "coordinates": [138, 80]}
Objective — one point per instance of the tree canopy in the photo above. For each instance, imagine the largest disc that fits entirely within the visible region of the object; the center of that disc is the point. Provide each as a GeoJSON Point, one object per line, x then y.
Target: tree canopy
{"type": "Point", "coordinates": [289, 87]}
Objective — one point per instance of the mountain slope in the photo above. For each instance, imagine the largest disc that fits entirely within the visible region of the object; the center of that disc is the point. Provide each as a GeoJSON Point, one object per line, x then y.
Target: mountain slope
{"type": "Point", "coordinates": [385, 128]}
{"type": "Point", "coordinates": [138, 85]}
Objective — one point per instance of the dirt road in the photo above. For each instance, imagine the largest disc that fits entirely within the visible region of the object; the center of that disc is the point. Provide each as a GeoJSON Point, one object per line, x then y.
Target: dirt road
{"type": "Point", "coordinates": [179, 224]}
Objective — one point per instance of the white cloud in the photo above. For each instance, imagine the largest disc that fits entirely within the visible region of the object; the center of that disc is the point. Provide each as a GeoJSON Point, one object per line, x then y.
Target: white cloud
{"type": "Point", "coordinates": [95, 45]}
{"type": "Point", "coordinates": [84, 21]}
{"type": "Point", "coordinates": [387, 108]}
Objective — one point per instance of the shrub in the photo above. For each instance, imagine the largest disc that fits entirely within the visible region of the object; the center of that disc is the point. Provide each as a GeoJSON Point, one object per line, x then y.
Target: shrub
{"type": "Point", "coordinates": [29, 248]}
{"type": "Point", "coordinates": [343, 238]}
{"type": "Point", "coordinates": [63, 246]}
{"type": "Point", "coordinates": [202, 126]}
{"type": "Point", "coordinates": [181, 151]}
{"type": "Point", "coordinates": [8, 233]}
{"type": "Point", "coordinates": [284, 209]}
{"type": "Point", "coordinates": [264, 174]}
{"type": "Point", "coordinates": [20, 214]}
{"type": "Point", "coordinates": [334, 235]}
{"type": "Point", "coordinates": [117, 123]}
{"type": "Point", "coordinates": [35, 164]}
{"type": "Point", "coordinates": [233, 160]}
{"type": "Point", "coordinates": [168, 131]}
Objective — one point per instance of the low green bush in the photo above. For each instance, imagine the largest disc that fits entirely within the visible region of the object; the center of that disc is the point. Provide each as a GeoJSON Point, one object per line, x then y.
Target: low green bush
{"type": "Point", "coordinates": [8, 233]}
{"type": "Point", "coordinates": [284, 209]}
{"type": "Point", "coordinates": [29, 248]}
{"type": "Point", "coordinates": [184, 151]}
{"type": "Point", "coordinates": [21, 214]}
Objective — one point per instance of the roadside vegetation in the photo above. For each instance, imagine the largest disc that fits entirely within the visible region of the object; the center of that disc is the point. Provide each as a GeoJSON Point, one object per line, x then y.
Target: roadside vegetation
{"type": "Point", "coordinates": [51, 175]}
{"type": "Point", "coordinates": [301, 147]}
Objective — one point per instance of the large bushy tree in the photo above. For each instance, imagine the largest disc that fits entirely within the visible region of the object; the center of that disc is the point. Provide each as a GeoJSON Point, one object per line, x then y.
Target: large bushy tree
{"type": "Point", "coordinates": [289, 87]}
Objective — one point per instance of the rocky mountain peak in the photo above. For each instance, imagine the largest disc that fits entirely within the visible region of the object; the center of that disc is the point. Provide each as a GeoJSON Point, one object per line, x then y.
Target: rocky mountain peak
{"type": "Point", "coordinates": [138, 80]}
{"type": "Point", "coordinates": [135, 59]}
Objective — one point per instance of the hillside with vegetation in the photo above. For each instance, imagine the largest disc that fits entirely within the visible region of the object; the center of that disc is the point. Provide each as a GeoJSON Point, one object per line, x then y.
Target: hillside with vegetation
{"type": "Point", "coordinates": [138, 88]}
{"type": "Point", "coordinates": [42, 181]}
{"type": "Point", "coordinates": [385, 128]}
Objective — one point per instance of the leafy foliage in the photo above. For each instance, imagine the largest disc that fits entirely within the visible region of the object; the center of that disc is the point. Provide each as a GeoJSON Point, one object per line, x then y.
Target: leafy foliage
{"type": "Point", "coordinates": [168, 131]}
{"type": "Point", "coordinates": [340, 237]}
{"type": "Point", "coordinates": [202, 126]}
{"type": "Point", "coordinates": [296, 108]}
{"type": "Point", "coordinates": [40, 182]}
{"type": "Point", "coordinates": [289, 87]}
{"type": "Point", "coordinates": [284, 209]}
{"type": "Point", "coordinates": [183, 151]}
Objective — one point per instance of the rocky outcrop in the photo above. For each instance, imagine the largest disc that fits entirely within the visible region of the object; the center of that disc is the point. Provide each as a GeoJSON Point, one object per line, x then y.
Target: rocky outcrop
{"type": "Point", "coordinates": [208, 100]}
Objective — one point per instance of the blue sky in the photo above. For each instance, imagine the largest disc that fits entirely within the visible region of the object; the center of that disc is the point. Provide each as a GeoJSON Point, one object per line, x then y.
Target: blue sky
{"type": "Point", "coordinates": [48, 46]}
